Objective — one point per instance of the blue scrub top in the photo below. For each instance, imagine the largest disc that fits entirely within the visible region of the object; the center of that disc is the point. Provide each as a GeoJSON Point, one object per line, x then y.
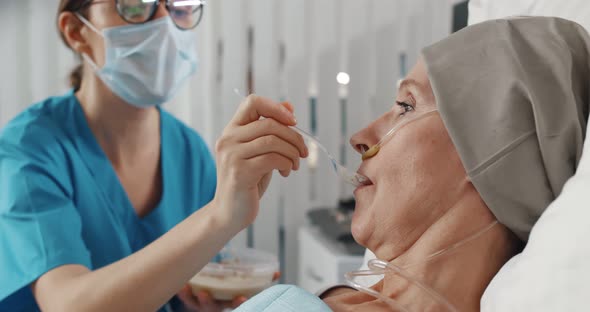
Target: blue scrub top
{"type": "Point", "coordinates": [61, 201]}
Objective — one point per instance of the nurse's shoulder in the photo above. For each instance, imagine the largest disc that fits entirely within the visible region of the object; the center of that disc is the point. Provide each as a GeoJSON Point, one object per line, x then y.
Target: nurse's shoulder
{"type": "Point", "coordinates": [33, 145]}
{"type": "Point", "coordinates": [39, 128]}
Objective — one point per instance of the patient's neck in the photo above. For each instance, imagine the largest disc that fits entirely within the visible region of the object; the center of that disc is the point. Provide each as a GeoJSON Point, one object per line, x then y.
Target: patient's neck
{"type": "Point", "coordinates": [462, 275]}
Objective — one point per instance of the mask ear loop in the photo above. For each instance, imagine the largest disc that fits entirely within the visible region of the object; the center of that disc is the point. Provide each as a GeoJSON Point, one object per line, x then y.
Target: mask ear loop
{"type": "Point", "coordinates": [87, 23]}
{"type": "Point", "coordinates": [84, 55]}
{"type": "Point", "coordinates": [379, 267]}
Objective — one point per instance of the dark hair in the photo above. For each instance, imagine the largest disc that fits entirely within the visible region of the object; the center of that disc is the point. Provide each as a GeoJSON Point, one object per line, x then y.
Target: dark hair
{"type": "Point", "coordinates": [72, 6]}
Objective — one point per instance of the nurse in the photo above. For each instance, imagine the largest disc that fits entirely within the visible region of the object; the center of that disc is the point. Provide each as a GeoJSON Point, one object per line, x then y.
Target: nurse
{"type": "Point", "coordinates": [107, 202]}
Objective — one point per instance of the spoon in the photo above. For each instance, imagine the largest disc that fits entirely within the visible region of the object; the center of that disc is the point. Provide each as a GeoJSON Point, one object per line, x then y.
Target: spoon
{"type": "Point", "coordinates": [345, 174]}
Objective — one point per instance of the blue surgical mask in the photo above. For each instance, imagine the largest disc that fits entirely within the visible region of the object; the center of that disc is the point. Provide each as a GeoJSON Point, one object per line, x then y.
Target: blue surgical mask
{"type": "Point", "coordinates": [147, 64]}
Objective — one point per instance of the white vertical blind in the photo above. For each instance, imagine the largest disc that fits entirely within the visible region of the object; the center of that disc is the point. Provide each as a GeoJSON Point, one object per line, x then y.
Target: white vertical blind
{"type": "Point", "coordinates": [265, 82]}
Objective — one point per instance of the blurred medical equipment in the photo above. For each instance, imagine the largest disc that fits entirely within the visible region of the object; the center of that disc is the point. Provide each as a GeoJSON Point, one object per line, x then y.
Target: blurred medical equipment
{"type": "Point", "coordinates": [380, 267]}
{"type": "Point", "coordinates": [345, 174]}
{"type": "Point", "coordinates": [334, 223]}
{"type": "Point", "coordinates": [323, 262]}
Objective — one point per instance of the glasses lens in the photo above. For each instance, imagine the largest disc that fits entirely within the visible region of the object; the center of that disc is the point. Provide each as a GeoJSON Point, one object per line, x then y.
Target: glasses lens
{"type": "Point", "coordinates": [136, 11]}
{"type": "Point", "coordinates": [186, 14]}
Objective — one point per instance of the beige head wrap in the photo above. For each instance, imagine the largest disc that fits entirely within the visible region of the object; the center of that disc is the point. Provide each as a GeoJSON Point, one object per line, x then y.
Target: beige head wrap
{"type": "Point", "coordinates": [514, 96]}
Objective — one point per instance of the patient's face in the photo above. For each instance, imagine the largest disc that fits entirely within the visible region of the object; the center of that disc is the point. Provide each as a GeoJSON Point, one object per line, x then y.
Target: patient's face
{"type": "Point", "coordinates": [415, 174]}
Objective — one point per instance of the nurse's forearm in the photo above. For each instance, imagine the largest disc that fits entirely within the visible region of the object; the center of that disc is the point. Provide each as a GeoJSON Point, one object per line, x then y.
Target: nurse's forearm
{"type": "Point", "coordinates": [145, 280]}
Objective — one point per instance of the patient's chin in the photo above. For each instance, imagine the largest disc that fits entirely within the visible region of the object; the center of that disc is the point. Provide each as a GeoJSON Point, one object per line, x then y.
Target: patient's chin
{"type": "Point", "coordinates": [360, 230]}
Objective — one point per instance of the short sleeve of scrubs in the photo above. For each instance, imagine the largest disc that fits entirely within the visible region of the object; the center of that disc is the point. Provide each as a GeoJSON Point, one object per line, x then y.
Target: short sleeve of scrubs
{"type": "Point", "coordinates": [61, 201]}
{"type": "Point", "coordinates": [39, 226]}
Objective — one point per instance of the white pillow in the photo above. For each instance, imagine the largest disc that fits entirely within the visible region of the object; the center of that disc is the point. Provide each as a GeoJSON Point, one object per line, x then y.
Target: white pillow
{"type": "Point", "coordinates": [551, 274]}
{"type": "Point", "coordinates": [553, 271]}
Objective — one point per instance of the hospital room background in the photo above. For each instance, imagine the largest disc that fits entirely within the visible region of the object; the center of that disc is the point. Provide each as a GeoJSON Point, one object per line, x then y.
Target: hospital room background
{"type": "Point", "coordinates": [337, 61]}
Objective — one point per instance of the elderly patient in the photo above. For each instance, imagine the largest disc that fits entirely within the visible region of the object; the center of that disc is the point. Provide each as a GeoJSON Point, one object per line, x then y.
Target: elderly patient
{"type": "Point", "coordinates": [512, 105]}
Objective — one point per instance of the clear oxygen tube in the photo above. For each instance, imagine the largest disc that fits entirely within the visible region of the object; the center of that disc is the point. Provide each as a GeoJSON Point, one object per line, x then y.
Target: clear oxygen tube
{"type": "Point", "coordinates": [380, 267]}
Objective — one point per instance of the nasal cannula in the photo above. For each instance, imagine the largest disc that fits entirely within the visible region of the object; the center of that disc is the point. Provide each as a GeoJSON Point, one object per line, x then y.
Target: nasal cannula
{"type": "Point", "coordinates": [373, 150]}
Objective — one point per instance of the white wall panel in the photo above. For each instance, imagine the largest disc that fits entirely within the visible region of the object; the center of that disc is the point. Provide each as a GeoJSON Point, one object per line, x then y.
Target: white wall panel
{"type": "Point", "coordinates": [322, 34]}
{"type": "Point", "coordinates": [14, 55]}
{"type": "Point", "coordinates": [293, 29]}
{"type": "Point", "coordinates": [295, 190]}
{"type": "Point", "coordinates": [388, 70]}
{"type": "Point", "coordinates": [233, 35]}
{"type": "Point", "coordinates": [293, 79]}
{"type": "Point", "coordinates": [360, 98]}
{"type": "Point", "coordinates": [328, 109]}
{"type": "Point", "coordinates": [265, 20]}
{"type": "Point", "coordinates": [385, 12]}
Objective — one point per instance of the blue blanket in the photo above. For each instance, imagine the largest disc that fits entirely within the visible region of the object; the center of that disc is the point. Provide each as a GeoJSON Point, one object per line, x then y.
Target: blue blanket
{"type": "Point", "coordinates": [284, 298]}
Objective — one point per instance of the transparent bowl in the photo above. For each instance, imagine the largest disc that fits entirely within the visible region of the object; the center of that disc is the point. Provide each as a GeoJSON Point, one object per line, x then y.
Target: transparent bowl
{"type": "Point", "coordinates": [240, 272]}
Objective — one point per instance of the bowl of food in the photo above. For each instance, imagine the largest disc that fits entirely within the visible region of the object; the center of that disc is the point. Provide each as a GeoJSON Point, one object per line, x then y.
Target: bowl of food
{"type": "Point", "coordinates": [236, 272]}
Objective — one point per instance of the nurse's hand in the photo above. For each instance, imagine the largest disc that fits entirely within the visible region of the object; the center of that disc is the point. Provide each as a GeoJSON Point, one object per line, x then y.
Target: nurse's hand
{"type": "Point", "coordinates": [249, 150]}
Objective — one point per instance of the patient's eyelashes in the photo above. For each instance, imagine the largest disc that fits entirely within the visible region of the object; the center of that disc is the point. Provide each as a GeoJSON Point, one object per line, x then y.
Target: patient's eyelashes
{"type": "Point", "coordinates": [406, 108]}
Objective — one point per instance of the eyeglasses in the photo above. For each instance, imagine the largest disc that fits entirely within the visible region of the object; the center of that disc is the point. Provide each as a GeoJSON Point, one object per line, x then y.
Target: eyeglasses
{"type": "Point", "coordinates": [186, 14]}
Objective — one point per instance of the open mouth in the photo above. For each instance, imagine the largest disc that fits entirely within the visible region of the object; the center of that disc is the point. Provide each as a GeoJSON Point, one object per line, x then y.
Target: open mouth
{"type": "Point", "coordinates": [366, 181]}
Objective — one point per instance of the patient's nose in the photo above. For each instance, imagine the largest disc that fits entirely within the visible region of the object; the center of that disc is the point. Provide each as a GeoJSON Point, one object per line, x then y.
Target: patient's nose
{"type": "Point", "coordinates": [368, 137]}
{"type": "Point", "coordinates": [364, 139]}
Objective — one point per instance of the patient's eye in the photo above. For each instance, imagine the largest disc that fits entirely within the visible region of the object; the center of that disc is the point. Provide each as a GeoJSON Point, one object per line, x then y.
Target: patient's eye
{"type": "Point", "coordinates": [406, 108]}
